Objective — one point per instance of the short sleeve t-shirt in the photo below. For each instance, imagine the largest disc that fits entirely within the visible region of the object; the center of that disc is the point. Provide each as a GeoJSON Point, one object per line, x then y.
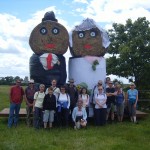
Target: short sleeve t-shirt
{"type": "Point", "coordinates": [110, 99]}
{"type": "Point", "coordinates": [132, 94]}
{"type": "Point", "coordinates": [101, 98]}
{"type": "Point", "coordinates": [16, 94]}
{"type": "Point", "coordinates": [39, 97]}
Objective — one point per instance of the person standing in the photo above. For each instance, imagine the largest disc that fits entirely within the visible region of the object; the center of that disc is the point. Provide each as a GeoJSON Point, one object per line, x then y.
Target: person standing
{"type": "Point", "coordinates": [38, 106]}
{"type": "Point", "coordinates": [120, 99]}
{"type": "Point", "coordinates": [73, 93]}
{"type": "Point", "coordinates": [111, 93]}
{"type": "Point", "coordinates": [63, 104]}
{"type": "Point", "coordinates": [56, 90]}
{"type": "Point", "coordinates": [132, 97]}
{"type": "Point", "coordinates": [49, 107]}
{"type": "Point", "coordinates": [107, 82]}
{"type": "Point", "coordinates": [29, 98]}
{"type": "Point", "coordinates": [100, 107]}
{"type": "Point", "coordinates": [85, 99]}
{"type": "Point", "coordinates": [95, 91]}
{"type": "Point", "coordinates": [16, 98]}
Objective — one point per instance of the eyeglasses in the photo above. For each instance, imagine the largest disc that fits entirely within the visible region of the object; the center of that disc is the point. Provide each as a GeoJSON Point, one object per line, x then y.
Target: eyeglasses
{"type": "Point", "coordinates": [99, 83]}
{"type": "Point", "coordinates": [100, 89]}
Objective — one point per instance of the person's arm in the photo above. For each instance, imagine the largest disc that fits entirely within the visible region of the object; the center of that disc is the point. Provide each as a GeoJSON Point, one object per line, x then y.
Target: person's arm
{"type": "Point", "coordinates": [127, 97]}
{"type": "Point", "coordinates": [74, 115]}
{"type": "Point", "coordinates": [98, 103]}
{"type": "Point", "coordinates": [104, 101]}
{"type": "Point", "coordinates": [35, 97]}
{"type": "Point", "coordinates": [68, 102]}
{"type": "Point", "coordinates": [136, 100]}
{"type": "Point", "coordinates": [87, 100]}
{"type": "Point", "coordinates": [124, 97]}
{"type": "Point", "coordinates": [46, 92]}
{"type": "Point", "coordinates": [44, 102]}
{"type": "Point", "coordinates": [25, 98]}
{"type": "Point", "coordinates": [22, 94]}
{"type": "Point", "coordinates": [84, 114]}
{"type": "Point", "coordinates": [10, 95]}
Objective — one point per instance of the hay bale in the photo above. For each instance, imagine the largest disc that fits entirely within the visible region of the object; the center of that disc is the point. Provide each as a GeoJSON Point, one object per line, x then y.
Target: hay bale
{"type": "Point", "coordinates": [49, 37]}
{"type": "Point", "coordinates": [87, 45]}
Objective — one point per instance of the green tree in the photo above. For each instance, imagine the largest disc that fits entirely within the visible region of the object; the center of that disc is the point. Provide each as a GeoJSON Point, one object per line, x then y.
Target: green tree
{"type": "Point", "coordinates": [130, 49]}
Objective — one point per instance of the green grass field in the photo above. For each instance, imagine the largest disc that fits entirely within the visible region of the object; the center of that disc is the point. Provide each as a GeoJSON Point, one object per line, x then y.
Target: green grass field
{"type": "Point", "coordinates": [118, 136]}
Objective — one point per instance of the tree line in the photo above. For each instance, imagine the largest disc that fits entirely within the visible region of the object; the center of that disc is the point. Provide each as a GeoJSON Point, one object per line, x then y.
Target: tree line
{"type": "Point", "coordinates": [9, 80]}
{"type": "Point", "coordinates": [130, 50]}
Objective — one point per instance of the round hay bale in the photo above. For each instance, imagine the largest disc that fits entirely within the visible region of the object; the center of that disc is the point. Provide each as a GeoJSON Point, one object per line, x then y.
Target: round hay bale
{"type": "Point", "coordinates": [88, 42]}
{"type": "Point", "coordinates": [49, 37]}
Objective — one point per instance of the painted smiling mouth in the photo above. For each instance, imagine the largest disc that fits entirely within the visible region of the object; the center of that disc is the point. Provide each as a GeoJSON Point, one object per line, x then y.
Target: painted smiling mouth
{"type": "Point", "coordinates": [87, 46]}
{"type": "Point", "coordinates": [50, 46]}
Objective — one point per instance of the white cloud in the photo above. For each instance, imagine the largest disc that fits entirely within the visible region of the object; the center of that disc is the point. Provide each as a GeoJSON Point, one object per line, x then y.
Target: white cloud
{"type": "Point", "coordinates": [107, 11]}
{"type": "Point", "coordinates": [14, 41]}
{"type": "Point", "coordinates": [81, 1]}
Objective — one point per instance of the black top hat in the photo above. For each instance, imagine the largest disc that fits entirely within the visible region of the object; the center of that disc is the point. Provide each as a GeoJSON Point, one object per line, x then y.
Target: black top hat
{"type": "Point", "coordinates": [49, 16]}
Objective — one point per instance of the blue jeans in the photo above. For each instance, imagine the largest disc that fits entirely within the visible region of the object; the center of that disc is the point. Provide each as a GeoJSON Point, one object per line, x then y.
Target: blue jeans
{"type": "Point", "coordinates": [13, 114]}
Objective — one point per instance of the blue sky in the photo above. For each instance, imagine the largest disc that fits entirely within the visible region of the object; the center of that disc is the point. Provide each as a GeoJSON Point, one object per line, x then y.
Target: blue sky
{"type": "Point", "coordinates": [19, 17]}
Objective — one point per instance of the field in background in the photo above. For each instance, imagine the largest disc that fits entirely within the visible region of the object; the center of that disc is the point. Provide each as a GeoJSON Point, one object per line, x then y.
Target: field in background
{"type": "Point", "coordinates": [117, 136]}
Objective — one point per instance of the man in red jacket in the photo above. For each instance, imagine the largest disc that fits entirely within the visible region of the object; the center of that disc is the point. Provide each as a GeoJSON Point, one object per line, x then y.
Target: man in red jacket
{"type": "Point", "coordinates": [16, 97]}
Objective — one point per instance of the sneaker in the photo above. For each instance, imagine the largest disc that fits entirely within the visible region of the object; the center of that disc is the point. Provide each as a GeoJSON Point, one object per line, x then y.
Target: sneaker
{"type": "Point", "coordinates": [136, 122]}
{"type": "Point", "coordinates": [75, 127]}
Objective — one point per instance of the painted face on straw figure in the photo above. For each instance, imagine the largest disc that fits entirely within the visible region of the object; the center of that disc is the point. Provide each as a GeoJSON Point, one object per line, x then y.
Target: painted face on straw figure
{"type": "Point", "coordinates": [88, 45]}
{"type": "Point", "coordinates": [49, 40]}
{"type": "Point", "coordinates": [87, 39]}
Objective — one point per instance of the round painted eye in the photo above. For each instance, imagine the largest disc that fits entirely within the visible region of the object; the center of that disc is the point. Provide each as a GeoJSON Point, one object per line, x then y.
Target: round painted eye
{"type": "Point", "coordinates": [43, 30]}
{"type": "Point", "coordinates": [81, 35]}
{"type": "Point", "coordinates": [93, 34]}
{"type": "Point", "coordinates": [55, 30]}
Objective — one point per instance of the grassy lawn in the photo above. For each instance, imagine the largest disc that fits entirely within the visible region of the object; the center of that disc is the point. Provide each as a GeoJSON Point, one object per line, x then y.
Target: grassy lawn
{"type": "Point", "coordinates": [118, 136]}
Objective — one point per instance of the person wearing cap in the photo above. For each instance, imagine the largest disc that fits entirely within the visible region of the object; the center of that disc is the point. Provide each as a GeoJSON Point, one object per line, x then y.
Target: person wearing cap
{"type": "Point", "coordinates": [16, 97]}
{"type": "Point", "coordinates": [132, 97]}
{"type": "Point", "coordinates": [111, 93]}
{"type": "Point", "coordinates": [73, 93]}
{"type": "Point", "coordinates": [29, 98]}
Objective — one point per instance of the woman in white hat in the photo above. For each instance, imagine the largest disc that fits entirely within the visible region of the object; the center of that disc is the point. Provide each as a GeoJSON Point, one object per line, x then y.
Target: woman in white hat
{"type": "Point", "coordinates": [132, 97]}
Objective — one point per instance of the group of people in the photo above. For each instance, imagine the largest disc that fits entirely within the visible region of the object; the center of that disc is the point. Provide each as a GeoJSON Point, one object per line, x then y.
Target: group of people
{"type": "Point", "coordinates": [66, 104]}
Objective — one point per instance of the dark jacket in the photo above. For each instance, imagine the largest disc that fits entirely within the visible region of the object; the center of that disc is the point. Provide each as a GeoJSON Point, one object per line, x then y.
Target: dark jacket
{"type": "Point", "coordinates": [49, 102]}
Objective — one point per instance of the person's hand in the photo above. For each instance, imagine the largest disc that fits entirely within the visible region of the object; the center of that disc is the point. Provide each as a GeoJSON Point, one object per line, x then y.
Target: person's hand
{"type": "Point", "coordinates": [33, 109]}
{"type": "Point", "coordinates": [30, 105]}
{"type": "Point", "coordinates": [134, 105]}
{"type": "Point", "coordinates": [100, 106]}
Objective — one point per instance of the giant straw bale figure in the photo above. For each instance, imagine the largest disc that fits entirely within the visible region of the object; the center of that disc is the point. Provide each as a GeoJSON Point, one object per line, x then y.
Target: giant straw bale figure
{"type": "Point", "coordinates": [88, 45]}
{"type": "Point", "coordinates": [49, 40]}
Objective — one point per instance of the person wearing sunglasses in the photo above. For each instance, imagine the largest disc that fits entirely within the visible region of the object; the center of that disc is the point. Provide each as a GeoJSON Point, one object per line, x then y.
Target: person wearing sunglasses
{"type": "Point", "coordinates": [29, 98]}
{"type": "Point", "coordinates": [100, 107]}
